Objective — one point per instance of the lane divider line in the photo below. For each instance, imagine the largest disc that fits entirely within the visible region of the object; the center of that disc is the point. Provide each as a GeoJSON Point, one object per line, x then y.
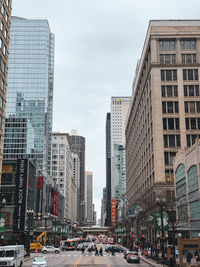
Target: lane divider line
{"type": "Point", "coordinates": [75, 264]}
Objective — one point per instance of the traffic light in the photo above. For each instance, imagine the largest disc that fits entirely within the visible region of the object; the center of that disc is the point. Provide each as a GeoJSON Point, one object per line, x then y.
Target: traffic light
{"type": "Point", "coordinates": [142, 236]}
{"type": "Point", "coordinates": [133, 237]}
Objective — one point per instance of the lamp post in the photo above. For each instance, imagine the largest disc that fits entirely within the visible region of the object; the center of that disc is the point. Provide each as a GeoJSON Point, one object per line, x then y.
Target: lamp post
{"type": "Point", "coordinates": [161, 204]}
{"type": "Point", "coordinates": [29, 214]}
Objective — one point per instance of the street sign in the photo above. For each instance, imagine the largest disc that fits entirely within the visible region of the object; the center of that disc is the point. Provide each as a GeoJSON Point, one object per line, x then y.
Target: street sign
{"type": "Point", "coordinates": [159, 222]}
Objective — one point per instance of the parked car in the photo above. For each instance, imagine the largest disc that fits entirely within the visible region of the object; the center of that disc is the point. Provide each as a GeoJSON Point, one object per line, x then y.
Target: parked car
{"type": "Point", "coordinates": [50, 249]}
{"type": "Point", "coordinates": [116, 249]}
{"type": "Point", "coordinates": [39, 261]}
{"type": "Point", "coordinates": [133, 257]}
{"type": "Point", "coordinates": [126, 252]}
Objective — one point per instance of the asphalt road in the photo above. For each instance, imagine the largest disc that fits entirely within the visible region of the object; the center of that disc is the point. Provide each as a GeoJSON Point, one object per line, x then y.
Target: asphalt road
{"type": "Point", "coordinates": [75, 259]}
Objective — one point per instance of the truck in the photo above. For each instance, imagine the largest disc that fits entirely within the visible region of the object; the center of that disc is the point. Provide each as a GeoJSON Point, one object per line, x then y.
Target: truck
{"type": "Point", "coordinates": [37, 245]}
{"type": "Point", "coordinates": [12, 256]}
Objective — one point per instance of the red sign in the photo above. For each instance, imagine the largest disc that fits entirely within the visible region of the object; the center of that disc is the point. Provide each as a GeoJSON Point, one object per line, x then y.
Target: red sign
{"type": "Point", "coordinates": [113, 209]}
{"type": "Point", "coordinates": [55, 203]}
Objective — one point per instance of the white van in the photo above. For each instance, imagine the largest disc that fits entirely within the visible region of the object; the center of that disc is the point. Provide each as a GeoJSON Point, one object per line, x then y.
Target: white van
{"type": "Point", "coordinates": [12, 256]}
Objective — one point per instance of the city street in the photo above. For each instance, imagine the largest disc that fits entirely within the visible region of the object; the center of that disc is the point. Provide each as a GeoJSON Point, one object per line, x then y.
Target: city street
{"type": "Point", "coordinates": [75, 259]}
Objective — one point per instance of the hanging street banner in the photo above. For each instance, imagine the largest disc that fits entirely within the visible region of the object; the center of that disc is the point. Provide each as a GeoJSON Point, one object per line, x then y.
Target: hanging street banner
{"type": "Point", "coordinates": [21, 186]}
{"type": "Point", "coordinates": [2, 223]}
{"type": "Point", "coordinates": [159, 222]}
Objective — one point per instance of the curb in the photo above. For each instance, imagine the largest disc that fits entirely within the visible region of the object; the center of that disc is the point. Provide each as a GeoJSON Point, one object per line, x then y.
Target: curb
{"type": "Point", "coordinates": [151, 264]}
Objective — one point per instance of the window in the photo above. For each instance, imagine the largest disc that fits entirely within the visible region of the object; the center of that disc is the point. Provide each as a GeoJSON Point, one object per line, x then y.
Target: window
{"type": "Point", "coordinates": [188, 44]}
{"type": "Point", "coordinates": [171, 140]}
{"type": "Point", "coordinates": [191, 90]}
{"type": "Point", "coordinates": [193, 183]}
{"type": "Point", "coordinates": [170, 123]}
{"type": "Point", "coordinates": [167, 59]}
{"type": "Point", "coordinates": [170, 107]}
{"type": "Point", "coordinates": [169, 90]}
{"type": "Point", "coordinates": [195, 210]}
{"type": "Point", "coordinates": [168, 75]}
{"type": "Point", "coordinates": [1, 102]}
{"type": "Point", "coordinates": [169, 156]}
{"type": "Point", "coordinates": [167, 45]}
{"type": "Point", "coordinates": [188, 58]}
{"type": "Point", "coordinates": [190, 75]}
{"type": "Point", "coordinates": [191, 139]}
{"type": "Point", "coordinates": [192, 106]}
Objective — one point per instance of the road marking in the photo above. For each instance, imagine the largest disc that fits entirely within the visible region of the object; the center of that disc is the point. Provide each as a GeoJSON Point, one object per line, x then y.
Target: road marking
{"type": "Point", "coordinates": [75, 264]}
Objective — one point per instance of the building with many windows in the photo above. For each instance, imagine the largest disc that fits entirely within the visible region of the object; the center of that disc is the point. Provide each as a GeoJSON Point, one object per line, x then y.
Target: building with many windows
{"type": "Point", "coordinates": [118, 114]}
{"type": "Point", "coordinates": [76, 179]}
{"type": "Point", "coordinates": [108, 171]}
{"type": "Point", "coordinates": [30, 92]}
{"type": "Point", "coordinates": [61, 172]}
{"type": "Point", "coordinates": [164, 114]}
{"type": "Point", "coordinates": [187, 186]}
{"type": "Point", "coordinates": [5, 16]}
{"type": "Point", "coordinates": [78, 147]}
{"type": "Point", "coordinates": [89, 196]}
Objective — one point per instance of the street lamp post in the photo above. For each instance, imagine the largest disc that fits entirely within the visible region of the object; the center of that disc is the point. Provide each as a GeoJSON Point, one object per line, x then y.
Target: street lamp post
{"type": "Point", "coordinates": [29, 214]}
{"type": "Point", "coordinates": [161, 204]}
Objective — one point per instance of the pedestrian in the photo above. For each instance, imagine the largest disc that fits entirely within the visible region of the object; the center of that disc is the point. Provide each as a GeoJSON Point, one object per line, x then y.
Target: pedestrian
{"type": "Point", "coordinates": [189, 257]}
{"type": "Point", "coordinates": [197, 257]}
{"type": "Point", "coordinates": [171, 261]}
{"type": "Point", "coordinates": [101, 251]}
{"type": "Point", "coordinates": [96, 251]}
{"type": "Point", "coordinates": [113, 251]}
{"type": "Point", "coordinates": [89, 250]}
{"type": "Point", "coordinates": [83, 250]}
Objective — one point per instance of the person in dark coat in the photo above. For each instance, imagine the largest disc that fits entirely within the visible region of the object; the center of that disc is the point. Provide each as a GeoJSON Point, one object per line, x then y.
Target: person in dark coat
{"type": "Point", "coordinates": [189, 257]}
{"type": "Point", "coordinates": [101, 251]}
{"type": "Point", "coordinates": [96, 252]}
{"type": "Point", "coordinates": [172, 261]}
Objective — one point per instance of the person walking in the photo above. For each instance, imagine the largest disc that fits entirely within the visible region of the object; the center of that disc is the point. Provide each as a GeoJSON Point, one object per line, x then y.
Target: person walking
{"type": "Point", "coordinates": [101, 251]}
{"type": "Point", "coordinates": [83, 250]}
{"type": "Point", "coordinates": [189, 258]}
{"type": "Point", "coordinates": [113, 251]}
{"type": "Point", "coordinates": [90, 251]}
{"type": "Point", "coordinates": [96, 251]}
{"type": "Point", "coordinates": [171, 261]}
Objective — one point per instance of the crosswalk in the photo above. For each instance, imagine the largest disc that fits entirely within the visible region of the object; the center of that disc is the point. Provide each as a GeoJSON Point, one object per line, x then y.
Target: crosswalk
{"type": "Point", "coordinates": [77, 255]}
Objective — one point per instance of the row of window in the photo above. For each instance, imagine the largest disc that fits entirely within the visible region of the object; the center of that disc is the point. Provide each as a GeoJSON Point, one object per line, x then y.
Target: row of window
{"type": "Point", "coordinates": [171, 58]}
{"type": "Point", "coordinates": [191, 139]}
{"type": "Point", "coordinates": [172, 90]}
{"type": "Point", "coordinates": [170, 45]}
{"type": "Point", "coordinates": [188, 75]}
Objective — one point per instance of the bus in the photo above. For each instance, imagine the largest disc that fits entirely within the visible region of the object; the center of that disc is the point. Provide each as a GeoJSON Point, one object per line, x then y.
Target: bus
{"type": "Point", "coordinates": [68, 244]}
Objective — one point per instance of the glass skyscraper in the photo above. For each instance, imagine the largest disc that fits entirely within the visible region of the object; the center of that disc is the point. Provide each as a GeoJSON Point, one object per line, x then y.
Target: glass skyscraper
{"type": "Point", "coordinates": [29, 107]}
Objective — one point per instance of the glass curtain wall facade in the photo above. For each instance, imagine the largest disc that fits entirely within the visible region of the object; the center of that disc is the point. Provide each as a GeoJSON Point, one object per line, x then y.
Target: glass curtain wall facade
{"type": "Point", "coordinates": [30, 92]}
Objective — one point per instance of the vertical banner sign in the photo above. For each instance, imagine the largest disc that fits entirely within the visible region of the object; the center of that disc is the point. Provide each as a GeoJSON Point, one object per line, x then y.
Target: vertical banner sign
{"type": "Point", "coordinates": [159, 222]}
{"type": "Point", "coordinates": [113, 210]}
{"type": "Point", "coordinates": [40, 196]}
{"type": "Point", "coordinates": [2, 223]}
{"type": "Point", "coordinates": [21, 186]}
{"type": "Point", "coordinates": [55, 203]}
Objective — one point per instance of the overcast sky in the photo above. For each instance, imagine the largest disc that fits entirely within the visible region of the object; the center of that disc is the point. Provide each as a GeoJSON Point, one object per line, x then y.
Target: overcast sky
{"type": "Point", "coordinates": [98, 43]}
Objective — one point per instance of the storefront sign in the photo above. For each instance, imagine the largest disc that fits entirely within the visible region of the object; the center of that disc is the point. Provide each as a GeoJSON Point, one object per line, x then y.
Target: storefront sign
{"type": "Point", "coordinates": [113, 210]}
{"type": "Point", "coordinates": [55, 203]}
{"type": "Point", "coordinates": [21, 186]}
{"type": "Point", "coordinates": [40, 196]}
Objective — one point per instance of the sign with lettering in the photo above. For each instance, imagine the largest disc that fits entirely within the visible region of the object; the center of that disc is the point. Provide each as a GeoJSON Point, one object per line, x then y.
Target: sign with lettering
{"type": "Point", "coordinates": [113, 210]}
{"type": "Point", "coordinates": [2, 223]}
{"type": "Point", "coordinates": [40, 197]}
{"type": "Point", "coordinates": [21, 188]}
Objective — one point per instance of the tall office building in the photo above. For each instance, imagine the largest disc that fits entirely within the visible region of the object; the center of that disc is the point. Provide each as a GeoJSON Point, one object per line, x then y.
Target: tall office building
{"type": "Point", "coordinates": [103, 207]}
{"type": "Point", "coordinates": [30, 92]}
{"type": "Point", "coordinates": [108, 171]}
{"type": "Point", "coordinates": [165, 110]}
{"type": "Point", "coordinates": [61, 172]}
{"type": "Point", "coordinates": [76, 178]}
{"type": "Point", "coordinates": [5, 15]}
{"type": "Point", "coordinates": [88, 196]}
{"type": "Point", "coordinates": [118, 110]}
{"type": "Point", "coordinates": [78, 147]}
